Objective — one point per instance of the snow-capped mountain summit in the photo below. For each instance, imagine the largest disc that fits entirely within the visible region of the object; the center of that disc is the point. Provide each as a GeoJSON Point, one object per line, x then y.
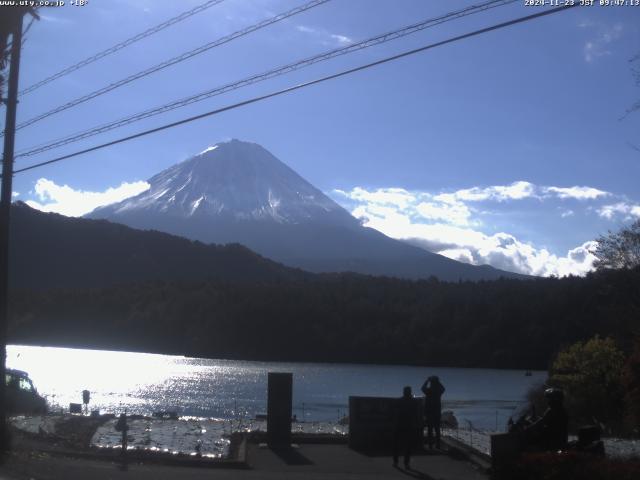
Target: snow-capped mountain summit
{"type": "Point", "coordinates": [238, 192]}
{"type": "Point", "coordinates": [234, 180]}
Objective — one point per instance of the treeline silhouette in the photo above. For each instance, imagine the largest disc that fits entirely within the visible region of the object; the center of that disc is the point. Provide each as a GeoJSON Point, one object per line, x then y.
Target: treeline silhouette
{"type": "Point", "coordinates": [340, 318]}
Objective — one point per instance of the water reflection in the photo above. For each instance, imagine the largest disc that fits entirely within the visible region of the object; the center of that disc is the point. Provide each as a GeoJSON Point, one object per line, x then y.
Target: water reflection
{"type": "Point", "coordinates": [236, 390]}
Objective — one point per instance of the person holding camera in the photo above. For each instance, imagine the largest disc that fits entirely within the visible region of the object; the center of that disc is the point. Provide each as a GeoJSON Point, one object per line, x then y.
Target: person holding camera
{"type": "Point", "coordinates": [433, 390]}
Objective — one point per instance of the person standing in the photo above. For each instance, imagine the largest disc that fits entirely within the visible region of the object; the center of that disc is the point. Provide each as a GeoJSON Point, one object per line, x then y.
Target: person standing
{"type": "Point", "coordinates": [407, 415]}
{"type": "Point", "coordinates": [121, 426]}
{"type": "Point", "coordinates": [433, 390]}
{"type": "Point", "coordinates": [550, 432]}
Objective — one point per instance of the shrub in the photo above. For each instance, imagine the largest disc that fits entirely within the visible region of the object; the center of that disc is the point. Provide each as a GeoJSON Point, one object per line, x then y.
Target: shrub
{"type": "Point", "coordinates": [590, 373]}
{"type": "Point", "coordinates": [631, 382]}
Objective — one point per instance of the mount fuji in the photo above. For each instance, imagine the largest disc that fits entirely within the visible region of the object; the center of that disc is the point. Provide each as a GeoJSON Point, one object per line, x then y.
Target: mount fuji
{"type": "Point", "coordinates": [238, 192]}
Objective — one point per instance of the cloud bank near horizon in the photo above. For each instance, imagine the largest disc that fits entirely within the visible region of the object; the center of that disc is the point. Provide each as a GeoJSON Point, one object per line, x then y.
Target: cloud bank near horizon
{"type": "Point", "coordinates": [454, 223]}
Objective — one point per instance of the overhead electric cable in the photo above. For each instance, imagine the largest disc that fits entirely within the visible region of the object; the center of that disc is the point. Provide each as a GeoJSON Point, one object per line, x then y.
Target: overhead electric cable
{"type": "Point", "coordinates": [121, 45]}
{"type": "Point", "coordinates": [379, 39]}
{"type": "Point", "coordinates": [300, 86]}
{"type": "Point", "coordinates": [173, 61]}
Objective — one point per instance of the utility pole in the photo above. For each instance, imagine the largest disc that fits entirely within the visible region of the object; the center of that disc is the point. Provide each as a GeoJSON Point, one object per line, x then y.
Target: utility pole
{"type": "Point", "coordinates": [5, 211]}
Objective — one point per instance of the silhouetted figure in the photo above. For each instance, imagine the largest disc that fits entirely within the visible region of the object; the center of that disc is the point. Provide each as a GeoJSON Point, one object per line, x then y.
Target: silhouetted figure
{"type": "Point", "coordinates": [550, 432]}
{"type": "Point", "coordinates": [405, 429]}
{"type": "Point", "coordinates": [121, 426]}
{"type": "Point", "coordinates": [433, 390]}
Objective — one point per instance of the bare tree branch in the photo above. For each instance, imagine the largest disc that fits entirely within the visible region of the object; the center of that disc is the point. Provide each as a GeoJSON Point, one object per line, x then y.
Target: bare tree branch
{"type": "Point", "coordinates": [618, 250]}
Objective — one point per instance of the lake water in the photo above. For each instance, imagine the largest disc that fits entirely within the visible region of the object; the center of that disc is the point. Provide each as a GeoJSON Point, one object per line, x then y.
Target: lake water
{"type": "Point", "coordinates": [227, 389]}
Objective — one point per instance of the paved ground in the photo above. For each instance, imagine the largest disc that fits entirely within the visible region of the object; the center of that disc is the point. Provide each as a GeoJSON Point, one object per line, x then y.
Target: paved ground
{"type": "Point", "coordinates": [308, 462]}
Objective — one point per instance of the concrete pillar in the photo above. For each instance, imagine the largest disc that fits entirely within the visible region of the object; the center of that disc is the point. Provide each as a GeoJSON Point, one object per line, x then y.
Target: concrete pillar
{"type": "Point", "coordinates": [279, 409]}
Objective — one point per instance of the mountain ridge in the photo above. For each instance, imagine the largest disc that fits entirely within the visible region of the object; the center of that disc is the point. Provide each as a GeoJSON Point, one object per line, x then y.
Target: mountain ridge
{"type": "Point", "coordinates": [234, 179]}
{"type": "Point", "coordinates": [238, 192]}
{"type": "Point", "coordinates": [78, 252]}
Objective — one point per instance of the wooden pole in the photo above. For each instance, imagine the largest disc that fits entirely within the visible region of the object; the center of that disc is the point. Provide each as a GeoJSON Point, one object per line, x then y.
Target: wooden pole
{"type": "Point", "coordinates": [5, 211]}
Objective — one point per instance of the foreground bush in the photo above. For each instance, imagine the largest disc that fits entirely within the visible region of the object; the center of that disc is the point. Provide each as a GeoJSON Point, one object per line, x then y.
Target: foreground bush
{"type": "Point", "coordinates": [590, 373]}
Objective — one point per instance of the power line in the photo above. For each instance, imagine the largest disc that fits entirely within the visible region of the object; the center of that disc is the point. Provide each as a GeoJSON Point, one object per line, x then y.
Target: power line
{"type": "Point", "coordinates": [173, 61]}
{"type": "Point", "coordinates": [121, 45]}
{"type": "Point", "coordinates": [267, 75]}
{"type": "Point", "coordinates": [301, 85]}
{"type": "Point", "coordinates": [379, 39]}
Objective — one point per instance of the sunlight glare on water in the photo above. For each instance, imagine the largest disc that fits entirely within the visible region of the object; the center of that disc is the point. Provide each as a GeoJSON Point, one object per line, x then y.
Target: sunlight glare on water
{"type": "Point", "coordinates": [143, 383]}
{"type": "Point", "coordinates": [62, 373]}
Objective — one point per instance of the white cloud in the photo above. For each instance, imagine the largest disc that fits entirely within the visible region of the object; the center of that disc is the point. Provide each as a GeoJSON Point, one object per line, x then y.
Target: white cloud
{"type": "Point", "coordinates": [459, 254]}
{"type": "Point", "coordinates": [519, 191]}
{"type": "Point", "coordinates": [578, 193]}
{"type": "Point", "coordinates": [456, 213]}
{"type": "Point", "coordinates": [325, 37]}
{"type": "Point", "coordinates": [15, 194]}
{"type": "Point", "coordinates": [341, 39]}
{"type": "Point", "coordinates": [500, 193]}
{"type": "Point", "coordinates": [624, 209]}
{"type": "Point", "coordinates": [305, 29]}
{"type": "Point", "coordinates": [600, 44]}
{"type": "Point", "coordinates": [421, 205]}
{"type": "Point", "coordinates": [444, 224]}
{"type": "Point", "coordinates": [500, 250]}
{"type": "Point", "coordinates": [398, 197]}
{"type": "Point", "coordinates": [458, 207]}
{"type": "Point", "coordinates": [74, 203]}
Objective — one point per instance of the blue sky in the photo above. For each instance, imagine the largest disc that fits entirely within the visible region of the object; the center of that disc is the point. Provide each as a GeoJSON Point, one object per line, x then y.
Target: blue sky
{"type": "Point", "coordinates": [509, 148]}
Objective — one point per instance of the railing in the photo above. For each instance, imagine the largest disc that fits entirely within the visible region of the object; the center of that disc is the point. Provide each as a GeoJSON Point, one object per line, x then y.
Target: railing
{"type": "Point", "coordinates": [476, 437]}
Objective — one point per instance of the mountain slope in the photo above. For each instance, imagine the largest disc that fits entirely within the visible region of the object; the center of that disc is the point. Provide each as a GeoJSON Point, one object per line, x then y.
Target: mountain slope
{"type": "Point", "coordinates": [239, 192]}
{"type": "Point", "coordinates": [50, 250]}
{"type": "Point", "coordinates": [233, 180]}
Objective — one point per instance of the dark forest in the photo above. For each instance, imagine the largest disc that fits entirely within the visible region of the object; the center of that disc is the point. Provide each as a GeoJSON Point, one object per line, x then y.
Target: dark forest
{"type": "Point", "coordinates": [340, 318]}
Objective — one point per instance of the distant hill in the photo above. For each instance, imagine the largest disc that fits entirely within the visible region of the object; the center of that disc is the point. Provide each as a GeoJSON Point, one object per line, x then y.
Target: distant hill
{"type": "Point", "coordinates": [239, 192]}
{"type": "Point", "coordinates": [50, 250]}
